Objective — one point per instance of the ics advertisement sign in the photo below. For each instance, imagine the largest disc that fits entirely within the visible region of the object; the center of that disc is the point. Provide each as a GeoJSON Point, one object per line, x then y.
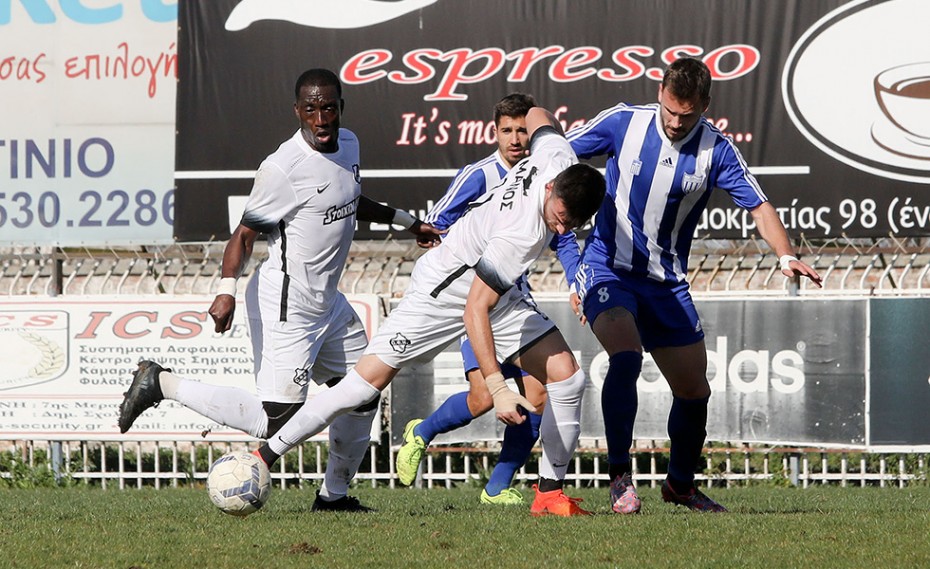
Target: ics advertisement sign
{"type": "Point", "coordinates": [67, 363]}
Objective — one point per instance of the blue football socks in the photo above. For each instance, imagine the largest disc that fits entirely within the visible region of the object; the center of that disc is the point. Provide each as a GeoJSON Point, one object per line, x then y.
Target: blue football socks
{"type": "Point", "coordinates": [687, 429]}
{"type": "Point", "coordinates": [619, 403]}
{"type": "Point", "coordinates": [515, 450]}
{"type": "Point", "coordinates": [452, 414]}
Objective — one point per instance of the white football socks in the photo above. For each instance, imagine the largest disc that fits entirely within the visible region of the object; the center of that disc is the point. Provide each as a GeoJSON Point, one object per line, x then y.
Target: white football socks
{"type": "Point", "coordinates": [230, 406]}
{"type": "Point", "coordinates": [349, 436]}
{"type": "Point", "coordinates": [322, 410]}
{"type": "Point", "coordinates": [561, 425]}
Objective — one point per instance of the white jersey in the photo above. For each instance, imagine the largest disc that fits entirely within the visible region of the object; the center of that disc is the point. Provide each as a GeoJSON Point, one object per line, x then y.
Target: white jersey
{"type": "Point", "coordinates": [305, 201]}
{"type": "Point", "coordinates": [497, 239]}
{"type": "Point", "coordinates": [504, 231]}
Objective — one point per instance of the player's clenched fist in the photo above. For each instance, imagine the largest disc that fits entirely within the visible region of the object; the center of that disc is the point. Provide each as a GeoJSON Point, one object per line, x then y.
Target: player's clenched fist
{"type": "Point", "coordinates": [222, 311]}
{"type": "Point", "coordinates": [506, 400]}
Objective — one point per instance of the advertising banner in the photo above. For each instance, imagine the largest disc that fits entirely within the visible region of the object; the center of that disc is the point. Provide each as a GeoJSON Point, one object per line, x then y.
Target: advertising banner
{"type": "Point", "coordinates": [88, 114]}
{"type": "Point", "coordinates": [827, 100]}
{"type": "Point", "coordinates": [67, 363]}
{"type": "Point", "coordinates": [899, 375]}
{"type": "Point", "coordinates": [787, 371]}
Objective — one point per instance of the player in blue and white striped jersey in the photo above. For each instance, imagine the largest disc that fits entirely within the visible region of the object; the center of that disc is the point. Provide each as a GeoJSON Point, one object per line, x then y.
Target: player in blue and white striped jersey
{"type": "Point", "coordinates": [663, 162]}
{"type": "Point", "coordinates": [470, 183]}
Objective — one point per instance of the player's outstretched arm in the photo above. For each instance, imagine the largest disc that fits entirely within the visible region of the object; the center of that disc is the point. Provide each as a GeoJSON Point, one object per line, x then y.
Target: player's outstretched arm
{"type": "Point", "coordinates": [481, 300]}
{"type": "Point", "coordinates": [370, 210]}
{"type": "Point", "coordinates": [773, 232]}
{"type": "Point", "coordinates": [235, 256]}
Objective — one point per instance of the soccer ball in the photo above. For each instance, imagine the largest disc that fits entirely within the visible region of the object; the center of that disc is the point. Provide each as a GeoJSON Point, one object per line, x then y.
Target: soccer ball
{"type": "Point", "coordinates": [239, 483]}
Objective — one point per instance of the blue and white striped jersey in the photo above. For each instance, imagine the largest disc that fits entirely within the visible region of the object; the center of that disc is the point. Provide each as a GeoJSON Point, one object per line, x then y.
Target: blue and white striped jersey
{"type": "Point", "coordinates": [472, 182]}
{"type": "Point", "coordinates": [656, 189]}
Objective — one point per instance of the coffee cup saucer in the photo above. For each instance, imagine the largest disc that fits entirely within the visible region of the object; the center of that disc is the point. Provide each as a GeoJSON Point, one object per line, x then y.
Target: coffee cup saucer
{"type": "Point", "coordinates": [894, 140]}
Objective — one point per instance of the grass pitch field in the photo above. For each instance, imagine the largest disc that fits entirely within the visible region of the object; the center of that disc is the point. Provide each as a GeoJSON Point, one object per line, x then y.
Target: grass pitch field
{"type": "Point", "coordinates": [768, 527]}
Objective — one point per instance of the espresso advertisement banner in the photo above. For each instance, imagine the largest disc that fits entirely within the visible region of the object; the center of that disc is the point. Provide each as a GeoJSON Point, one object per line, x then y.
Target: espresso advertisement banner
{"type": "Point", "coordinates": [788, 371]}
{"type": "Point", "coordinates": [827, 100]}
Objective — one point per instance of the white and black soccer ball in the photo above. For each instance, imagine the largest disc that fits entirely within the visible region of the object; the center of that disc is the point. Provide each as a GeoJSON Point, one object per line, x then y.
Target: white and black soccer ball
{"type": "Point", "coordinates": [239, 483]}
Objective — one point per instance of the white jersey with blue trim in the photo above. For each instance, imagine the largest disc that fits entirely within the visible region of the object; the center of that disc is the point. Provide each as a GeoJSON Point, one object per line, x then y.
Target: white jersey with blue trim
{"type": "Point", "coordinates": [656, 188]}
{"type": "Point", "coordinates": [305, 201]}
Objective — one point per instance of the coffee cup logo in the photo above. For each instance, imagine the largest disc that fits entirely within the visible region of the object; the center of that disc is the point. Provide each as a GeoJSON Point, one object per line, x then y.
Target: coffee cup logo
{"type": "Point", "coordinates": [874, 115]}
{"type": "Point", "coordinates": [903, 94]}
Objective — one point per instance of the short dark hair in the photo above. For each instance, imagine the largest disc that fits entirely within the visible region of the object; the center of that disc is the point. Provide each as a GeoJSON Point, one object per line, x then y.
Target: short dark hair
{"type": "Point", "coordinates": [319, 77]}
{"type": "Point", "coordinates": [581, 188]}
{"type": "Point", "coordinates": [687, 78]}
{"type": "Point", "coordinates": [513, 105]}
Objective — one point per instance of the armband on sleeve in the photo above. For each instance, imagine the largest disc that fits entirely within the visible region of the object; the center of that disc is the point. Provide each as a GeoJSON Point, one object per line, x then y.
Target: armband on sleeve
{"type": "Point", "coordinates": [403, 218]}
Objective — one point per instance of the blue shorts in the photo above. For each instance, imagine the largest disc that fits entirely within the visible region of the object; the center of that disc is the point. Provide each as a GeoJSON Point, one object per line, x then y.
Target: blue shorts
{"type": "Point", "coordinates": [510, 371]}
{"type": "Point", "coordinates": [664, 312]}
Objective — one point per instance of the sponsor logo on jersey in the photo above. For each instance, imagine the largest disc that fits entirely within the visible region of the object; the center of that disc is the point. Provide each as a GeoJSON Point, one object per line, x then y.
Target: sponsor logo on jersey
{"type": "Point", "coordinates": [635, 167]}
{"type": "Point", "coordinates": [667, 162]}
{"type": "Point", "coordinates": [522, 180]}
{"type": "Point", "coordinates": [336, 213]}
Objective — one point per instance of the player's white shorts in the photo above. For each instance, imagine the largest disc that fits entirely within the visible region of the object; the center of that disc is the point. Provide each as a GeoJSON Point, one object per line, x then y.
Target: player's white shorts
{"type": "Point", "coordinates": [421, 326]}
{"type": "Point", "coordinates": [289, 354]}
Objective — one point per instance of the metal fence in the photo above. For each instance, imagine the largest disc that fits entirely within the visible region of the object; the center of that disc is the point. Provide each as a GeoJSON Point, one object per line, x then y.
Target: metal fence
{"type": "Point", "coordinates": [849, 267]}
{"type": "Point", "coordinates": [172, 464]}
{"type": "Point", "coordinates": [887, 266]}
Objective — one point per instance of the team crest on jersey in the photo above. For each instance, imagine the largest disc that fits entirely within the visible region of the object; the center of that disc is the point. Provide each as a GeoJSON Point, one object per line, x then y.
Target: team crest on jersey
{"type": "Point", "coordinates": [400, 343]}
{"type": "Point", "coordinates": [301, 376]}
{"type": "Point", "coordinates": [336, 213]}
{"type": "Point", "coordinates": [691, 183]}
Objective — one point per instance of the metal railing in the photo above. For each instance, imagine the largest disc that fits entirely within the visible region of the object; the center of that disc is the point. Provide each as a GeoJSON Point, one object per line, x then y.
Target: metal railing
{"type": "Point", "coordinates": [172, 464]}
{"type": "Point", "coordinates": [848, 266]}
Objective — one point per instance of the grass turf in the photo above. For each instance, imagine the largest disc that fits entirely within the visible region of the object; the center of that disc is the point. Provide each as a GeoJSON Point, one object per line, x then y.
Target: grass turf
{"type": "Point", "coordinates": [767, 527]}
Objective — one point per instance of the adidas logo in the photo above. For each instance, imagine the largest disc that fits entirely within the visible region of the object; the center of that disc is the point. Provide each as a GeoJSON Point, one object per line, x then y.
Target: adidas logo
{"type": "Point", "coordinates": [667, 162]}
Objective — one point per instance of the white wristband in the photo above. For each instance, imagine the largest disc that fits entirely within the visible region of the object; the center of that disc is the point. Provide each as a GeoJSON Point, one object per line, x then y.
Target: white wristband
{"type": "Point", "coordinates": [227, 286]}
{"type": "Point", "coordinates": [403, 218]}
{"type": "Point", "coordinates": [784, 260]}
